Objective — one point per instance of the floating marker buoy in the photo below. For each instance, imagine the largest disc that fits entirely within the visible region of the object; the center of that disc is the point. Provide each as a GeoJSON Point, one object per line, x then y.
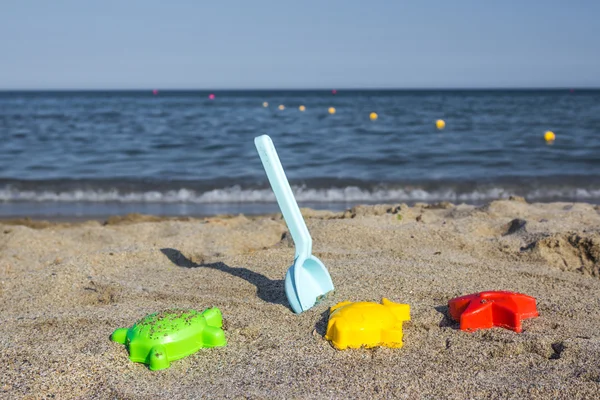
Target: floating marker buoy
{"type": "Point", "coordinates": [281, 107]}
{"type": "Point", "coordinates": [549, 136]}
{"type": "Point", "coordinates": [373, 116]}
{"type": "Point", "coordinates": [211, 96]}
{"type": "Point", "coordinates": [334, 92]}
{"type": "Point", "coordinates": [155, 92]}
{"type": "Point", "coordinates": [440, 124]}
{"type": "Point", "coordinates": [302, 108]}
{"type": "Point", "coordinates": [331, 110]}
{"type": "Point", "coordinates": [265, 104]}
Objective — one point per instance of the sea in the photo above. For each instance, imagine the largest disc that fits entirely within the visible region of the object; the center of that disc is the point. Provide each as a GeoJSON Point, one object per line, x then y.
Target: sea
{"type": "Point", "coordinates": [87, 154]}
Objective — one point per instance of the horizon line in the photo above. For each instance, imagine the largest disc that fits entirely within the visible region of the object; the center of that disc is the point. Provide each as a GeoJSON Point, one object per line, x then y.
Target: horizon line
{"type": "Point", "coordinates": [516, 88]}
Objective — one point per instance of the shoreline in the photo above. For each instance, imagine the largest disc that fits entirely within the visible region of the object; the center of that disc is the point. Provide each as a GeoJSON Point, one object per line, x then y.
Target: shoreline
{"type": "Point", "coordinates": [257, 210]}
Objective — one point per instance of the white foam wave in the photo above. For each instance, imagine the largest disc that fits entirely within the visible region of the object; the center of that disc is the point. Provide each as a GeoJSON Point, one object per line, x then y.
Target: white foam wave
{"type": "Point", "coordinates": [236, 194]}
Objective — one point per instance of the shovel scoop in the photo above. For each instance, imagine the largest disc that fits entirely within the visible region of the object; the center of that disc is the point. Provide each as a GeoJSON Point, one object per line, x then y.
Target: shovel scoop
{"type": "Point", "coordinates": [307, 281]}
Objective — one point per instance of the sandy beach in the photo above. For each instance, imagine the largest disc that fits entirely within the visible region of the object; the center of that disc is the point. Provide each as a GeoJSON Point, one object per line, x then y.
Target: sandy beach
{"type": "Point", "coordinates": [64, 288]}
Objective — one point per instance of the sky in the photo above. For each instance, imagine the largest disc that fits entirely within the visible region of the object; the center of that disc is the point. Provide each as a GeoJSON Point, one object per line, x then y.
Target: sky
{"type": "Point", "coordinates": [227, 44]}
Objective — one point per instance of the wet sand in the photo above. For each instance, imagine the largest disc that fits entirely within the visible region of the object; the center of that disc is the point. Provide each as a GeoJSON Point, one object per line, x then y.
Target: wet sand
{"type": "Point", "coordinates": [65, 287]}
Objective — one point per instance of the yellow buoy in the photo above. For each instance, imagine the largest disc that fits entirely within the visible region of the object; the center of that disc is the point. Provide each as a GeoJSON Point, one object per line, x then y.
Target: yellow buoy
{"type": "Point", "coordinates": [302, 108]}
{"type": "Point", "coordinates": [265, 104]}
{"type": "Point", "coordinates": [331, 110]}
{"type": "Point", "coordinates": [281, 107]}
{"type": "Point", "coordinates": [373, 116]}
{"type": "Point", "coordinates": [440, 124]}
{"type": "Point", "coordinates": [549, 136]}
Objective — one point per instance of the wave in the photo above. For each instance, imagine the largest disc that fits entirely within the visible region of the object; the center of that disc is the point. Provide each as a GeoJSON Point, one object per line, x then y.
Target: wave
{"type": "Point", "coordinates": [349, 194]}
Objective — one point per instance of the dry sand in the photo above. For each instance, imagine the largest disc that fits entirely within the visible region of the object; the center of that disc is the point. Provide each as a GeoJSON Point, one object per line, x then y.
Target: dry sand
{"type": "Point", "coordinates": [65, 288]}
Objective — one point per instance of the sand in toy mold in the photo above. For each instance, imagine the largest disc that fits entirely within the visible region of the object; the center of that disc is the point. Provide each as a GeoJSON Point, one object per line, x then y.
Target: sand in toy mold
{"type": "Point", "coordinates": [65, 288]}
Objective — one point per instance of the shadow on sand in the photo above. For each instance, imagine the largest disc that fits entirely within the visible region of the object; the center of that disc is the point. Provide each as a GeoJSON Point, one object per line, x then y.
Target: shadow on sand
{"type": "Point", "coordinates": [269, 290]}
{"type": "Point", "coordinates": [447, 321]}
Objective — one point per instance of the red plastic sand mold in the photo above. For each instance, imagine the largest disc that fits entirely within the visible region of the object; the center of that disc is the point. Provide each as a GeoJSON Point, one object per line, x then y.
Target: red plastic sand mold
{"type": "Point", "coordinates": [492, 309]}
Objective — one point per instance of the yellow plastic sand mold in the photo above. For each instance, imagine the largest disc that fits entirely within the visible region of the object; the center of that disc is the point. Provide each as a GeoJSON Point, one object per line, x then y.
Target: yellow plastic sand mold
{"type": "Point", "coordinates": [367, 324]}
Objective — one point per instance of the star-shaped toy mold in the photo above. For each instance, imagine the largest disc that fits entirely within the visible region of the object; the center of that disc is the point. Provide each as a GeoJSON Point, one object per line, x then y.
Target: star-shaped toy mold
{"type": "Point", "coordinates": [492, 309]}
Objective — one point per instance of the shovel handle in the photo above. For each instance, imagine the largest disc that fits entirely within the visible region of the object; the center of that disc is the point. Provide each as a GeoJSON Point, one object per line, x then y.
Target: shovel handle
{"type": "Point", "coordinates": [284, 195]}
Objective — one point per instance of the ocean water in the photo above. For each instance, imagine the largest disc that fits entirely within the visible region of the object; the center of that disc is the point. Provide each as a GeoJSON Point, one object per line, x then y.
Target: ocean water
{"type": "Point", "coordinates": [180, 153]}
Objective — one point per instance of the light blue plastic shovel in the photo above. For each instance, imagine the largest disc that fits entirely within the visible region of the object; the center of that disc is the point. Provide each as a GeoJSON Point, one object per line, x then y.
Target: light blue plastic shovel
{"type": "Point", "coordinates": [307, 280]}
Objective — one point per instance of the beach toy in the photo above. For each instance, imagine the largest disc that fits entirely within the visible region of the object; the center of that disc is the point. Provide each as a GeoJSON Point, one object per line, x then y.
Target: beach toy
{"type": "Point", "coordinates": [492, 309]}
{"type": "Point", "coordinates": [211, 96]}
{"type": "Point", "coordinates": [373, 116]}
{"type": "Point", "coordinates": [281, 107]}
{"type": "Point", "coordinates": [265, 104]}
{"type": "Point", "coordinates": [367, 324]}
{"type": "Point", "coordinates": [159, 338]}
{"type": "Point", "coordinates": [302, 108]}
{"type": "Point", "coordinates": [440, 124]}
{"type": "Point", "coordinates": [549, 136]}
{"type": "Point", "coordinates": [331, 110]}
{"type": "Point", "coordinates": [307, 281]}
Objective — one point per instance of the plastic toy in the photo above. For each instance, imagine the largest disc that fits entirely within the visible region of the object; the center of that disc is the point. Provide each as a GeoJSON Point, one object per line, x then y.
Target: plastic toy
{"type": "Point", "coordinates": [307, 280]}
{"type": "Point", "coordinates": [367, 324]}
{"type": "Point", "coordinates": [492, 309]}
{"type": "Point", "coordinates": [159, 338]}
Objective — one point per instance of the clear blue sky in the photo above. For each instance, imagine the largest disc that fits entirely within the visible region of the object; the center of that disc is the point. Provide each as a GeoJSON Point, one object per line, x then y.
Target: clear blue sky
{"type": "Point", "coordinates": [79, 44]}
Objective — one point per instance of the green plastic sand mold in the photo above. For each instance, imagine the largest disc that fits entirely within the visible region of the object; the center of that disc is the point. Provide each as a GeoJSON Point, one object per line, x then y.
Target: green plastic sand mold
{"type": "Point", "coordinates": [159, 338]}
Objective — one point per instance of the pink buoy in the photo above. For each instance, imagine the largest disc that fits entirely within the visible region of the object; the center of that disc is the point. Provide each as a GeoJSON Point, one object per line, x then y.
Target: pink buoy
{"type": "Point", "coordinates": [211, 96]}
{"type": "Point", "coordinates": [334, 91]}
{"type": "Point", "coordinates": [155, 92]}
